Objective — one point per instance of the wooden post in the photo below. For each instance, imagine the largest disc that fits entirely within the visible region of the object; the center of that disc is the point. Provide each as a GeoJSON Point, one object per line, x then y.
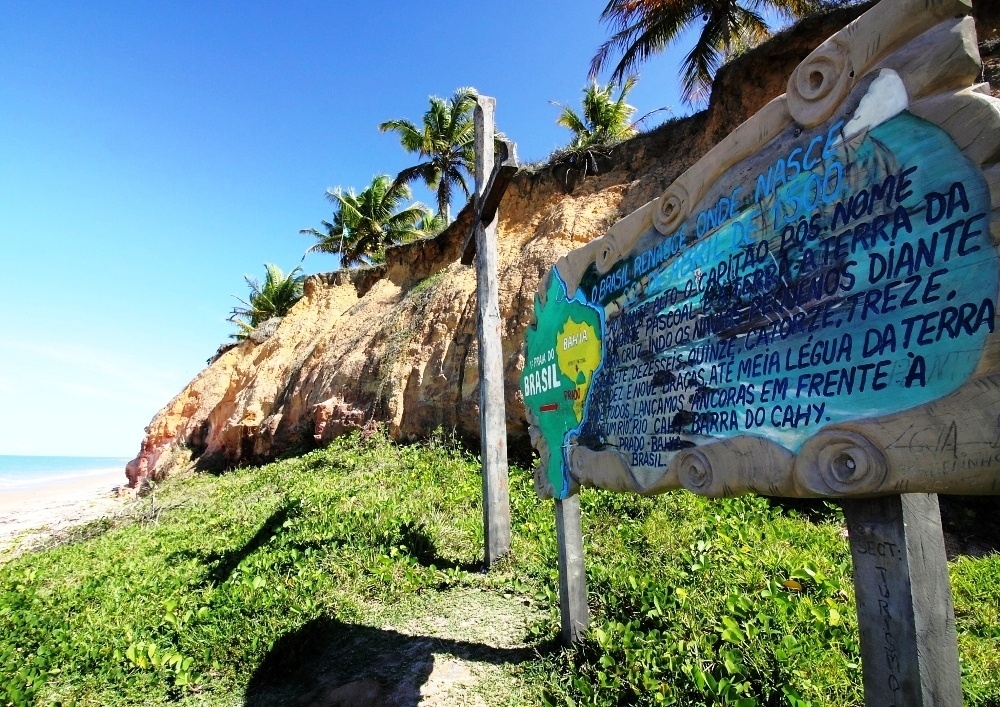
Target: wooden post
{"type": "Point", "coordinates": [492, 416]}
{"type": "Point", "coordinates": [909, 648]}
{"type": "Point", "coordinates": [572, 574]}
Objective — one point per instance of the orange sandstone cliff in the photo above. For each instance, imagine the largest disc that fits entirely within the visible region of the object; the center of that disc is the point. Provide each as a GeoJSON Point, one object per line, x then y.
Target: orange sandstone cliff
{"type": "Point", "coordinates": [397, 344]}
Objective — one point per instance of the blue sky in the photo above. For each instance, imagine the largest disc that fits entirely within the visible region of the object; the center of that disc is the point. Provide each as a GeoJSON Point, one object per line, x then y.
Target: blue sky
{"type": "Point", "coordinates": [152, 154]}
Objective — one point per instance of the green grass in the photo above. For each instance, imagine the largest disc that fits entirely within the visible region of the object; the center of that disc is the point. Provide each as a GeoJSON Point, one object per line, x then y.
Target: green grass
{"type": "Point", "coordinates": [361, 561]}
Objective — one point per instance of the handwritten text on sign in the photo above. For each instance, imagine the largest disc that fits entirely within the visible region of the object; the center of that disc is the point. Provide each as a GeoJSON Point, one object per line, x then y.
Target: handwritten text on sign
{"type": "Point", "coordinates": [838, 276]}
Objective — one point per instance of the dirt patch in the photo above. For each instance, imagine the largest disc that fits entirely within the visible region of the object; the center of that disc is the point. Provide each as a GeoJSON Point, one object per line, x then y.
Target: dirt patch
{"type": "Point", "coordinates": [971, 525]}
{"type": "Point", "coordinates": [457, 647]}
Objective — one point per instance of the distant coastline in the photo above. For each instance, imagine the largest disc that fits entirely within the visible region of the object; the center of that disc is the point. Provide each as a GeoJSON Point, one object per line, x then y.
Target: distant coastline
{"type": "Point", "coordinates": [19, 473]}
{"type": "Point", "coordinates": [41, 497]}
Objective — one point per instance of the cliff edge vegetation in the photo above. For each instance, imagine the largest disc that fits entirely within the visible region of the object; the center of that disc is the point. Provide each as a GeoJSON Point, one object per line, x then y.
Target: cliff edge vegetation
{"type": "Point", "coordinates": [396, 343]}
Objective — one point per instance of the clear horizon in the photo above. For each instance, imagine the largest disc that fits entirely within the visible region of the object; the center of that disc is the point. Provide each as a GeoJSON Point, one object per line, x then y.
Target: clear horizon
{"type": "Point", "coordinates": [24, 472]}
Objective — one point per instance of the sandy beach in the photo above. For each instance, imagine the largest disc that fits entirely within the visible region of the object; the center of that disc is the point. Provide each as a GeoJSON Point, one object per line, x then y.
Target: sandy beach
{"type": "Point", "coordinates": [31, 514]}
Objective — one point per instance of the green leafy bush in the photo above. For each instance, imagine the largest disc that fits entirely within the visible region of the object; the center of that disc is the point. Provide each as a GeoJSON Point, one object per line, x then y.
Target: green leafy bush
{"type": "Point", "coordinates": [694, 602]}
{"type": "Point", "coordinates": [702, 603]}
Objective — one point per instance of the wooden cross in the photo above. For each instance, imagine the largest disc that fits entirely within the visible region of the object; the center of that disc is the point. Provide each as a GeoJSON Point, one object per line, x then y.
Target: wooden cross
{"type": "Point", "coordinates": [486, 206]}
{"type": "Point", "coordinates": [491, 183]}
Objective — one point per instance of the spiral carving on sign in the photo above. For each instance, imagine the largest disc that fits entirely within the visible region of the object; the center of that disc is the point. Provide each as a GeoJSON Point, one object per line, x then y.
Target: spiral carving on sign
{"type": "Point", "coordinates": [841, 463]}
{"type": "Point", "coordinates": [674, 208]}
{"type": "Point", "coordinates": [820, 83]}
{"type": "Point", "coordinates": [695, 471]}
{"type": "Point", "coordinates": [609, 253]}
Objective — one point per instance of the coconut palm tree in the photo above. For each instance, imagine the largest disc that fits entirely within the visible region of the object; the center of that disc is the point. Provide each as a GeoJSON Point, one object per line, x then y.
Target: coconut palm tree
{"type": "Point", "coordinates": [605, 120]}
{"type": "Point", "coordinates": [365, 224]}
{"type": "Point", "coordinates": [272, 298]}
{"type": "Point", "coordinates": [447, 140]}
{"type": "Point", "coordinates": [431, 224]}
{"type": "Point", "coordinates": [642, 28]}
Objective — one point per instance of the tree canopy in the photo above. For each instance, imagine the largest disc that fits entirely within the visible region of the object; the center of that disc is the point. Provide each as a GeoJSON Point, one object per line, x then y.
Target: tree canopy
{"type": "Point", "coordinates": [365, 224]}
{"type": "Point", "coordinates": [604, 120]}
{"type": "Point", "coordinates": [642, 28]}
{"type": "Point", "coordinates": [272, 298]}
{"type": "Point", "coordinates": [446, 138]}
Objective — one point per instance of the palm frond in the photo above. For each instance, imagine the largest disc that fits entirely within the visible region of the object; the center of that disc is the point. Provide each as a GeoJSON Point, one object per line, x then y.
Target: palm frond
{"type": "Point", "coordinates": [458, 178]}
{"type": "Point", "coordinates": [364, 224]}
{"type": "Point", "coordinates": [642, 28]}
{"type": "Point", "coordinates": [604, 120]}
{"type": "Point", "coordinates": [410, 137]}
{"type": "Point", "coordinates": [751, 28]}
{"type": "Point", "coordinates": [569, 118]}
{"type": "Point", "coordinates": [273, 297]}
{"type": "Point", "coordinates": [699, 67]}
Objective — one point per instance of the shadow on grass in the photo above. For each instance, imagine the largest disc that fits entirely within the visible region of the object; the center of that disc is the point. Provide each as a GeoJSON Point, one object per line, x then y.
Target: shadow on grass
{"type": "Point", "coordinates": [330, 663]}
{"type": "Point", "coordinates": [411, 536]}
{"type": "Point", "coordinates": [971, 525]}
{"type": "Point", "coordinates": [418, 543]}
{"type": "Point", "coordinates": [815, 510]}
{"type": "Point", "coordinates": [221, 564]}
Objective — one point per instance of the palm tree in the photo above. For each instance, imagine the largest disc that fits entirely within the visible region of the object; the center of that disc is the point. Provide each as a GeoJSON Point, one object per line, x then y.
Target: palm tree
{"type": "Point", "coordinates": [272, 298]}
{"type": "Point", "coordinates": [605, 120]}
{"type": "Point", "coordinates": [644, 27]}
{"type": "Point", "coordinates": [431, 224]}
{"type": "Point", "coordinates": [447, 141]}
{"type": "Point", "coordinates": [365, 224]}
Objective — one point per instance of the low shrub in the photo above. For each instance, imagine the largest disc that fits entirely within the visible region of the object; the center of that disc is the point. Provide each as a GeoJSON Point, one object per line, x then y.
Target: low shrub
{"type": "Point", "coordinates": [693, 601]}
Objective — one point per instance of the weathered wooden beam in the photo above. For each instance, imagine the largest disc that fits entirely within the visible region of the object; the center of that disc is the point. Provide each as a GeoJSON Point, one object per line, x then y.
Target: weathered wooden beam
{"type": "Point", "coordinates": [492, 416]}
{"type": "Point", "coordinates": [575, 618]}
{"type": "Point", "coordinates": [503, 171]}
{"type": "Point", "coordinates": [909, 648]}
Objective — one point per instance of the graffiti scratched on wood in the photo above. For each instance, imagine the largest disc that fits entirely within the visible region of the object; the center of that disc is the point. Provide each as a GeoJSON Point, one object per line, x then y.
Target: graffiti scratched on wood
{"type": "Point", "coordinates": [840, 273]}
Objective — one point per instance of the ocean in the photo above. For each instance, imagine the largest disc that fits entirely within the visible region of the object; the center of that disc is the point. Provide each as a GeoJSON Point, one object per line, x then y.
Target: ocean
{"type": "Point", "coordinates": [18, 473]}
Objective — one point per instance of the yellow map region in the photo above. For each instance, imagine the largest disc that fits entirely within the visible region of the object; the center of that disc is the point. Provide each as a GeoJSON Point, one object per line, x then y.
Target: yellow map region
{"type": "Point", "coordinates": [578, 351]}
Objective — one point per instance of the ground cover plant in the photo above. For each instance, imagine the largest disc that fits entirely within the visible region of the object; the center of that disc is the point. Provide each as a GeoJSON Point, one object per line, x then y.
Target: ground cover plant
{"type": "Point", "coordinates": [357, 566]}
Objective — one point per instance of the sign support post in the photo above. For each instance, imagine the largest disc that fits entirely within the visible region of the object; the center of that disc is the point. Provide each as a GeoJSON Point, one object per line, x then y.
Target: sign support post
{"type": "Point", "coordinates": [909, 648]}
{"type": "Point", "coordinates": [573, 612]}
{"type": "Point", "coordinates": [492, 422]}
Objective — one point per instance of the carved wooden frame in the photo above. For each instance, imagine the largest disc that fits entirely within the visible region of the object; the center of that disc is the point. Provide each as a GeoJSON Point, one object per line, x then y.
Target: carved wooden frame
{"type": "Point", "coordinates": [931, 45]}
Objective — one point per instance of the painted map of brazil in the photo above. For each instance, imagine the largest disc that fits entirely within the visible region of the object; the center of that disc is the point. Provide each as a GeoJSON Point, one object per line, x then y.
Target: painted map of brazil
{"type": "Point", "coordinates": [564, 351]}
{"type": "Point", "coordinates": [578, 351]}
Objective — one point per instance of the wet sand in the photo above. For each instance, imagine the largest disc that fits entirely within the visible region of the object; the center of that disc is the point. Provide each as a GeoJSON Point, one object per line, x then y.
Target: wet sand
{"type": "Point", "coordinates": [31, 514]}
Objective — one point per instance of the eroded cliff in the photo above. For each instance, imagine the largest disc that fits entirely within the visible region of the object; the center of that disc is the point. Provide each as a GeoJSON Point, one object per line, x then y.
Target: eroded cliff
{"type": "Point", "coordinates": [397, 344]}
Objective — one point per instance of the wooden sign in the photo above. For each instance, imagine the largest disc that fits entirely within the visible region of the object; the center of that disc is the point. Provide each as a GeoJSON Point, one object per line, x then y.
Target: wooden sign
{"type": "Point", "coordinates": [809, 310]}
